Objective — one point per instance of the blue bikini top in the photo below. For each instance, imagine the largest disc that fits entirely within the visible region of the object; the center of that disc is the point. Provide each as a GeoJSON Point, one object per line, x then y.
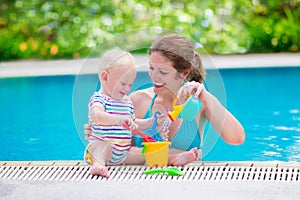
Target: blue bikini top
{"type": "Point", "coordinates": [187, 136]}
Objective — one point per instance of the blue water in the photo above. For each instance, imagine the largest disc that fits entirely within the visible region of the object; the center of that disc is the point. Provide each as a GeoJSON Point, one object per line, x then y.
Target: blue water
{"type": "Point", "coordinates": [42, 117]}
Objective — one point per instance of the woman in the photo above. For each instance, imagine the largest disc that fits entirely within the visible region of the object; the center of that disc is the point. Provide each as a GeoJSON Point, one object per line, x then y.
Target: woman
{"type": "Point", "coordinates": [176, 70]}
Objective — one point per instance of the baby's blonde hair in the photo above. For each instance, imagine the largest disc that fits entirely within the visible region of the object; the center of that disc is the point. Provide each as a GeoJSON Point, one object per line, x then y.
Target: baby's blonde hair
{"type": "Point", "coordinates": [115, 57]}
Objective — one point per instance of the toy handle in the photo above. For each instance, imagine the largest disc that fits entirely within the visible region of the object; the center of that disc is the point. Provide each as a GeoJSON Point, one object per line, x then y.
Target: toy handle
{"type": "Point", "coordinates": [145, 137]}
{"type": "Point", "coordinates": [175, 101]}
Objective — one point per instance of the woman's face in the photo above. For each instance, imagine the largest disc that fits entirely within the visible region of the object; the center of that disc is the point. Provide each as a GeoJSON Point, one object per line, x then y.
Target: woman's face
{"type": "Point", "coordinates": [163, 75]}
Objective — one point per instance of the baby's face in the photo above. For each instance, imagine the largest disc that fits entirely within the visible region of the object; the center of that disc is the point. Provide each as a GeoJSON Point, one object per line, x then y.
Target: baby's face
{"type": "Point", "coordinates": [120, 80]}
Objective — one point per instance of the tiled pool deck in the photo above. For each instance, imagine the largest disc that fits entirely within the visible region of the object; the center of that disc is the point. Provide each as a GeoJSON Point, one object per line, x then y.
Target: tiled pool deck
{"type": "Point", "coordinates": [207, 180]}
{"type": "Point", "coordinates": [202, 180]}
{"type": "Point", "coordinates": [76, 170]}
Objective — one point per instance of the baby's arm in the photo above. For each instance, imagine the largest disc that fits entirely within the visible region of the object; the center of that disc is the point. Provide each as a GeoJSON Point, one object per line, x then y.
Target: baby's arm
{"type": "Point", "coordinates": [99, 116]}
{"type": "Point", "coordinates": [147, 123]}
{"type": "Point", "coordinates": [144, 123]}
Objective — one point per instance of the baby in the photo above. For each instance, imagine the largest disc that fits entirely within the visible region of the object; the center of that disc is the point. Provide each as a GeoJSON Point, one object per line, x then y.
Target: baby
{"type": "Point", "coordinates": [109, 108]}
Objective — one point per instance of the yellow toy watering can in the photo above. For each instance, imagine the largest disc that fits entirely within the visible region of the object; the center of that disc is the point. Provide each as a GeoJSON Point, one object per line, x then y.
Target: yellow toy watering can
{"type": "Point", "coordinates": [186, 111]}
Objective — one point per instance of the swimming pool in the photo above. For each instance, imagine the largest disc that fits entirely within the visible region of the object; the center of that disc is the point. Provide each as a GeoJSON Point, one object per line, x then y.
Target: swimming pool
{"type": "Point", "coordinates": [40, 121]}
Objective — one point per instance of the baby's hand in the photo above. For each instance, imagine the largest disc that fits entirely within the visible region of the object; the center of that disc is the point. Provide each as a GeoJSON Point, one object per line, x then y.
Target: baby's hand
{"type": "Point", "coordinates": [160, 119]}
{"type": "Point", "coordinates": [131, 124]}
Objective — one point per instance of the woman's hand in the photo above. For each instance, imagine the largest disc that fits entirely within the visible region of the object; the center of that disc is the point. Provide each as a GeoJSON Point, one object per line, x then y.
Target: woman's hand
{"type": "Point", "coordinates": [87, 131]}
{"type": "Point", "coordinates": [192, 88]}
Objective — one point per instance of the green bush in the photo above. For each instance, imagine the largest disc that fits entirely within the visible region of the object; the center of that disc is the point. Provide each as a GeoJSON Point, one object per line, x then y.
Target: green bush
{"type": "Point", "coordinates": [40, 29]}
{"type": "Point", "coordinates": [274, 27]}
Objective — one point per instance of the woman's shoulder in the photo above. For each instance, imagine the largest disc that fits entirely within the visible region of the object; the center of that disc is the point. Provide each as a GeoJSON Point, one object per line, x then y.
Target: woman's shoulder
{"type": "Point", "coordinates": [141, 100]}
{"type": "Point", "coordinates": [142, 94]}
{"type": "Point", "coordinates": [126, 98]}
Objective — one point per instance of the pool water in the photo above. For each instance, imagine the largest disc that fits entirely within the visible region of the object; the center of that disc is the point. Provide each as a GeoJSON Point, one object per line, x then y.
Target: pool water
{"type": "Point", "coordinates": [42, 117]}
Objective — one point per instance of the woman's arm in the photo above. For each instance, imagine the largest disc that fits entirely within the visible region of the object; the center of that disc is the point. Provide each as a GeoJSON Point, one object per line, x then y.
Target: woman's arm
{"type": "Point", "coordinates": [221, 119]}
{"type": "Point", "coordinates": [226, 125]}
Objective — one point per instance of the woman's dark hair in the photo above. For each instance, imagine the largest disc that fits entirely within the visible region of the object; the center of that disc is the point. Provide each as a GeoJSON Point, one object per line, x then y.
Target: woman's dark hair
{"type": "Point", "coordinates": [180, 52]}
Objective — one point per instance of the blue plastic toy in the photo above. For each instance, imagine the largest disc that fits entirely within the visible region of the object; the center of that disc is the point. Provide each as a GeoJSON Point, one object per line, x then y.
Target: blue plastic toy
{"type": "Point", "coordinates": [151, 132]}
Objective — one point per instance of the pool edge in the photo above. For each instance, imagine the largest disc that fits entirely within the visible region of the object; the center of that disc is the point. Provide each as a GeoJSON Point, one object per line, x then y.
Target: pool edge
{"type": "Point", "coordinates": [23, 68]}
{"type": "Point", "coordinates": [196, 163]}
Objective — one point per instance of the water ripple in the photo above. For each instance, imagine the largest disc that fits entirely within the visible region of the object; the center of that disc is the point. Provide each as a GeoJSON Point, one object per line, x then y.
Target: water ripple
{"type": "Point", "coordinates": [285, 128]}
{"type": "Point", "coordinates": [294, 111]}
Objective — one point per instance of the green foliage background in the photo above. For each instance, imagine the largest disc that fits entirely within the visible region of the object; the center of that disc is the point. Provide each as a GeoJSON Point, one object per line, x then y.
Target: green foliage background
{"type": "Point", "coordinates": [72, 28]}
